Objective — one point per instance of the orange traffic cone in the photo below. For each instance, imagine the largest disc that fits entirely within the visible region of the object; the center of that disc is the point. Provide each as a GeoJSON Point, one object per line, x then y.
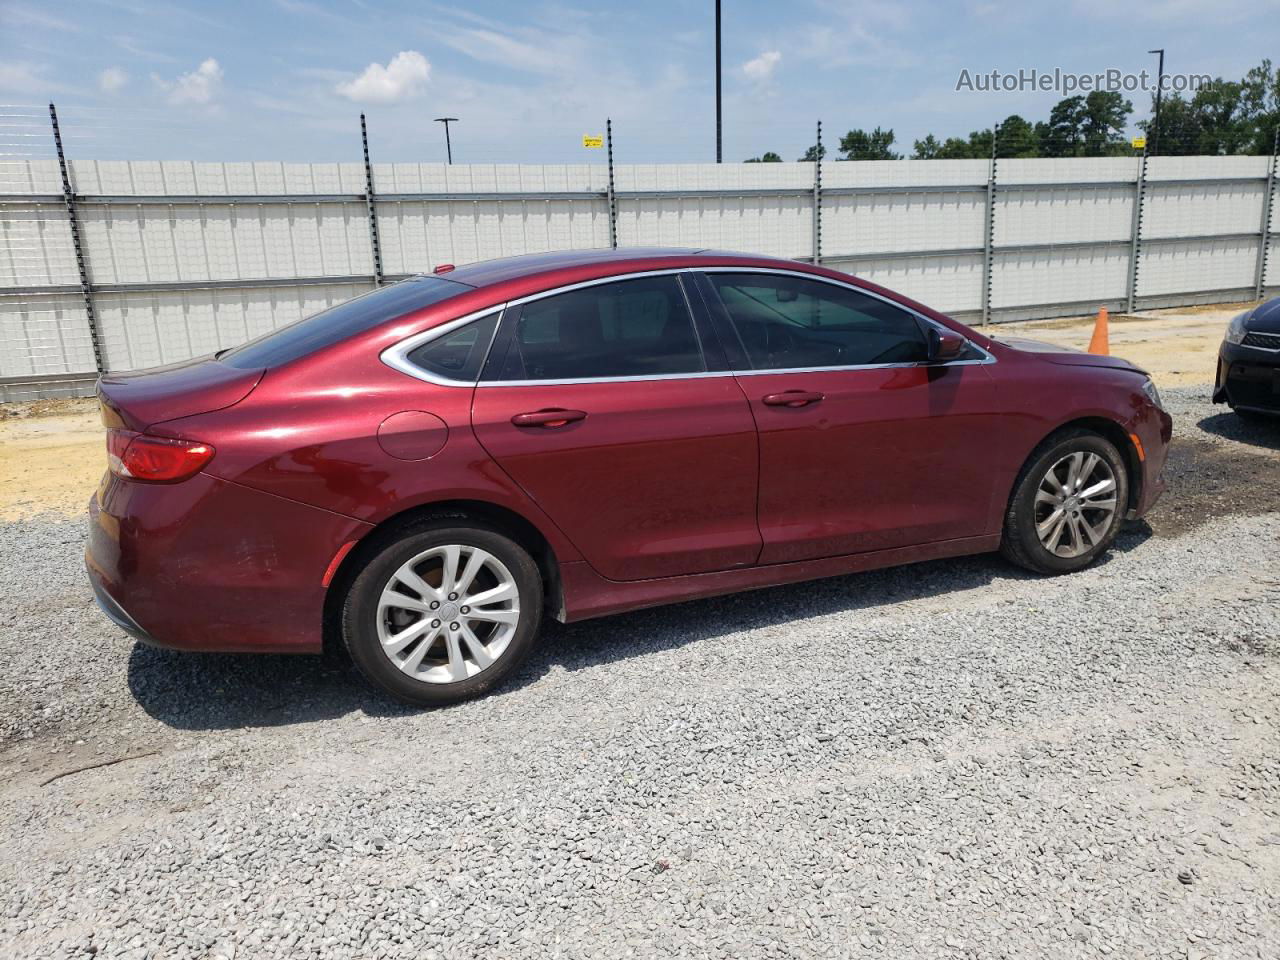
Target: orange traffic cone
{"type": "Point", "coordinates": [1100, 343]}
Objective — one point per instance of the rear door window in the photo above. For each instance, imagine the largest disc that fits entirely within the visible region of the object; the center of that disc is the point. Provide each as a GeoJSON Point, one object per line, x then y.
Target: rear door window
{"type": "Point", "coordinates": [626, 328]}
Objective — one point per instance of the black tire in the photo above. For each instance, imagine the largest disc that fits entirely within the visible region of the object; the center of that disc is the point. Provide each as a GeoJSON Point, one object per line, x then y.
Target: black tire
{"type": "Point", "coordinates": [360, 612]}
{"type": "Point", "coordinates": [1020, 543]}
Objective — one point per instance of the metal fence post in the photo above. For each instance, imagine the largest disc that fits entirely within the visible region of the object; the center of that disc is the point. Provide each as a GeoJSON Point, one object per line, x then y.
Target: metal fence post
{"type": "Point", "coordinates": [988, 243]}
{"type": "Point", "coordinates": [1268, 203]}
{"type": "Point", "coordinates": [374, 243]}
{"type": "Point", "coordinates": [73, 220]}
{"type": "Point", "coordinates": [611, 195]}
{"type": "Point", "coordinates": [1135, 237]}
{"type": "Point", "coordinates": [817, 198]}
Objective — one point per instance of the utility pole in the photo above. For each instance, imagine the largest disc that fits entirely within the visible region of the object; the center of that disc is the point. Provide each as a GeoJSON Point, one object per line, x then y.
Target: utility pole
{"type": "Point", "coordinates": [1155, 124]}
{"type": "Point", "coordinates": [719, 115]}
{"type": "Point", "coordinates": [447, 145]}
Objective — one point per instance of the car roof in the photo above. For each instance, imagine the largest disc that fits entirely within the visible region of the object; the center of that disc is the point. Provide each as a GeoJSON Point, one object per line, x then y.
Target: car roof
{"type": "Point", "coordinates": [491, 283]}
{"type": "Point", "coordinates": [514, 277]}
{"type": "Point", "coordinates": [488, 272]}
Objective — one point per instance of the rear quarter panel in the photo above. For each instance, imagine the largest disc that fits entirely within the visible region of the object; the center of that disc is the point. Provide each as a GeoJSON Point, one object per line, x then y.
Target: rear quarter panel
{"type": "Point", "coordinates": [309, 433]}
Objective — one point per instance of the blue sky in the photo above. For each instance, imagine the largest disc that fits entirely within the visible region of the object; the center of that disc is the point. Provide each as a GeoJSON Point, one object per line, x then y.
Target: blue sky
{"type": "Point", "coordinates": [287, 79]}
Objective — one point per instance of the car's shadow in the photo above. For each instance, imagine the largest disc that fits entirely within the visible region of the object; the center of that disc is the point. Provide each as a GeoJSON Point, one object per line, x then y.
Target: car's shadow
{"type": "Point", "coordinates": [192, 691]}
{"type": "Point", "coordinates": [1255, 431]}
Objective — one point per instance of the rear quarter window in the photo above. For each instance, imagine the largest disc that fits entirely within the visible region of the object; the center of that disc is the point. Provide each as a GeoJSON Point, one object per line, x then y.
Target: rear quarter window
{"type": "Point", "coordinates": [328, 327]}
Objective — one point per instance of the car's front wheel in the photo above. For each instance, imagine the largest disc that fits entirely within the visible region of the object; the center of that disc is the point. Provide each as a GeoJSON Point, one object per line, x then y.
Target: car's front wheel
{"type": "Point", "coordinates": [443, 613]}
{"type": "Point", "coordinates": [1068, 503]}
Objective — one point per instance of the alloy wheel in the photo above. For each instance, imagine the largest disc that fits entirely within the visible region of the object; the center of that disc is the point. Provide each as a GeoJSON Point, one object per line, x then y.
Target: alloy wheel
{"type": "Point", "coordinates": [1075, 503]}
{"type": "Point", "coordinates": [448, 613]}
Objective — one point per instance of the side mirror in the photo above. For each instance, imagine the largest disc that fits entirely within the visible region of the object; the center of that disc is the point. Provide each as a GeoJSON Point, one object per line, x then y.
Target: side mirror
{"type": "Point", "coordinates": [945, 345]}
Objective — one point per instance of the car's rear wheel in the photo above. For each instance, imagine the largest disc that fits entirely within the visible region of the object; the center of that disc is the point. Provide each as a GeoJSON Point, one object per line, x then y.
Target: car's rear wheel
{"type": "Point", "coordinates": [443, 613]}
{"type": "Point", "coordinates": [1068, 503]}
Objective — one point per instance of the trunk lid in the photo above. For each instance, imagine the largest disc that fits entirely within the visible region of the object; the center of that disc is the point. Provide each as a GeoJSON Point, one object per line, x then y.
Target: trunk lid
{"type": "Point", "coordinates": [140, 399]}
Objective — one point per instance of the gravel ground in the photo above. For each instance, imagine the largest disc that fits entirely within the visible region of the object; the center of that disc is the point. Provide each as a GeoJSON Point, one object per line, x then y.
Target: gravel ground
{"type": "Point", "coordinates": [948, 760]}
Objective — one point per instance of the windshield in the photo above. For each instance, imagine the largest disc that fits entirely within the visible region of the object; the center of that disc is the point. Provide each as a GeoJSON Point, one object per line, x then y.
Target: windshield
{"type": "Point", "coordinates": [339, 322]}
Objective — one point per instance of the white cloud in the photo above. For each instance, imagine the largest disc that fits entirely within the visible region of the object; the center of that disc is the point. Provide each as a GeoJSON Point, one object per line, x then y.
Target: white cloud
{"type": "Point", "coordinates": [25, 16]}
{"type": "Point", "coordinates": [112, 80]}
{"type": "Point", "coordinates": [491, 46]}
{"type": "Point", "coordinates": [405, 76]}
{"type": "Point", "coordinates": [22, 77]}
{"type": "Point", "coordinates": [201, 85]}
{"type": "Point", "coordinates": [28, 78]}
{"type": "Point", "coordinates": [762, 67]}
{"type": "Point", "coordinates": [566, 50]}
{"type": "Point", "coordinates": [131, 46]}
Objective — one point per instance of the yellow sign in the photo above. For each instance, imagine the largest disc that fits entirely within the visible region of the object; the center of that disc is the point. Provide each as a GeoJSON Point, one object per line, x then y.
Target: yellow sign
{"type": "Point", "coordinates": [594, 142]}
{"type": "Point", "coordinates": [1139, 143]}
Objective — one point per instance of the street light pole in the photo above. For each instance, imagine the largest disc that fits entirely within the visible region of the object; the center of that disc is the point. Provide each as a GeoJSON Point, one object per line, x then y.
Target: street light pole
{"type": "Point", "coordinates": [719, 124]}
{"type": "Point", "coordinates": [447, 145]}
{"type": "Point", "coordinates": [1155, 124]}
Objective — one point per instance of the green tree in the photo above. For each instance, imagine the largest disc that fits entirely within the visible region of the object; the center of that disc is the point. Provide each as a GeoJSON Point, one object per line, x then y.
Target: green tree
{"type": "Point", "coordinates": [860, 145]}
{"type": "Point", "coordinates": [1062, 136]}
{"type": "Point", "coordinates": [926, 149]}
{"type": "Point", "coordinates": [980, 143]}
{"type": "Point", "coordinates": [1179, 131]}
{"type": "Point", "coordinates": [958, 148]}
{"type": "Point", "coordinates": [954, 148]}
{"type": "Point", "coordinates": [1221, 118]}
{"type": "Point", "coordinates": [768, 157]}
{"type": "Point", "coordinates": [813, 154]}
{"type": "Point", "coordinates": [1018, 138]}
{"type": "Point", "coordinates": [1225, 128]}
{"type": "Point", "coordinates": [1104, 118]}
{"type": "Point", "coordinates": [1260, 102]}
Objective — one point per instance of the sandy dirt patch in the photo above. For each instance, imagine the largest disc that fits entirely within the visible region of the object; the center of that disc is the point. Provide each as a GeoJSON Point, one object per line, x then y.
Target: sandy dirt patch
{"type": "Point", "coordinates": [52, 456]}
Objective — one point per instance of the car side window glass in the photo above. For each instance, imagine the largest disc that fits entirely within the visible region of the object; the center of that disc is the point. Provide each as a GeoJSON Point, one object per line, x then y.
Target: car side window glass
{"type": "Point", "coordinates": [787, 322]}
{"type": "Point", "coordinates": [458, 354]}
{"type": "Point", "coordinates": [629, 328]}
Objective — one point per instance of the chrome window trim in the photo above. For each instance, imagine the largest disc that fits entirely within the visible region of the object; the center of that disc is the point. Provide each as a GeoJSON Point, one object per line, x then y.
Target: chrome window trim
{"type": "Point", "coordinates": [395, 356]}
{"type": "Point", "coordinates": [701, 375]}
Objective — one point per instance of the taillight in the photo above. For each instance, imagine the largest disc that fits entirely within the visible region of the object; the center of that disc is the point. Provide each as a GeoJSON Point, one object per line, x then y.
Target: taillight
{"type": "Point", "coordinates": [136, 456]}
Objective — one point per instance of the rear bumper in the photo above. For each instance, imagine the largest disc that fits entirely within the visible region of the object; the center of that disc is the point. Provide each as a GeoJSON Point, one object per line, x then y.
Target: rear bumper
{"type": "Point", "coordinates": [211, 565]}
{"type": "Point", "coordinates": [113, 611]}
{"type": "Point", "coordinates": [1248, 378]}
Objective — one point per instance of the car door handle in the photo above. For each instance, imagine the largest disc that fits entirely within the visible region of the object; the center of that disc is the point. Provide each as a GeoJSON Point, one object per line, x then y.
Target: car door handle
{"type": "Point", "coordinates": [792, 398]}
{"type": "Point", "coordinates": [548, 418]}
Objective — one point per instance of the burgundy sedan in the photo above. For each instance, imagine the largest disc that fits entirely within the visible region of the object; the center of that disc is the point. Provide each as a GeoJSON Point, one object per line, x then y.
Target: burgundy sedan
{"type": "Point", "coordinates": [421, 473]}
